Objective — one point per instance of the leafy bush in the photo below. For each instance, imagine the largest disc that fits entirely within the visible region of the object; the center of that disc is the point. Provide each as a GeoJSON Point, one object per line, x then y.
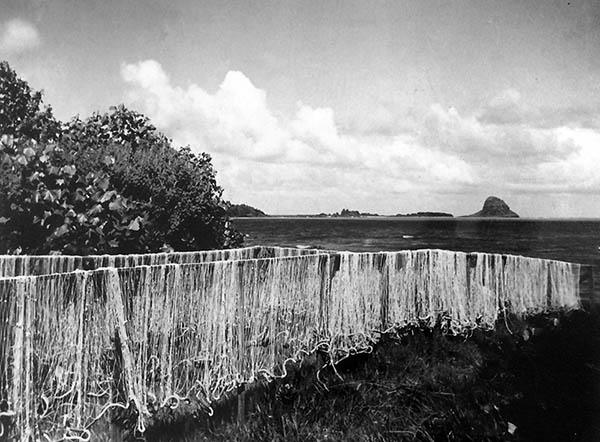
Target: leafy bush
{"type": "Point", "coordinates": [185, 205]}
{"type": "Point", "coordinates": [108, 184]}
{"type": "Point", "coordinates": [21, 114]}
{"type": "Point", "coordinates": [49, 206]}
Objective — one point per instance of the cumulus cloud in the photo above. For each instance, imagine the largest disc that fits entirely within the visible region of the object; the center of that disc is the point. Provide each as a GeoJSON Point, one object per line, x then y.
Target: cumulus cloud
{"type": "Point", "coordinates": [270, 160]}
{"type": "Point", "coordinates": [505, 108]}
{"type": "Point", "coordinates": [307, 162]}
{"type": "Point", "coordinates": [522, 157]}
{"type": "Point", "coordinates": [17, 36]}
{"type": "Point", "coordinates": [485, 142]}
{"type": "Point", "coordinates": [578, 172]}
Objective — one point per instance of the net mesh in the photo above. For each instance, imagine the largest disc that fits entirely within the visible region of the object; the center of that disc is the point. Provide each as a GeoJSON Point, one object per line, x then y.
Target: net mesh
{"type": "Point", "coordinates": [20, 265]}
{"type": "Point", "coordinates": [76, 344]}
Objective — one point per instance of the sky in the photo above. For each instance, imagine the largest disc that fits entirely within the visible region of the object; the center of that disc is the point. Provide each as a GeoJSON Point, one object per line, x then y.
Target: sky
{"type": "Point", "coordinates": [314, 106]}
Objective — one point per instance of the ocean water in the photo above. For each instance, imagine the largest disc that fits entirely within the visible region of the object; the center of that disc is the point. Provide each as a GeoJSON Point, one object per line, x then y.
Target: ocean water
{"type": "Point", "coordinates": [566, 240]}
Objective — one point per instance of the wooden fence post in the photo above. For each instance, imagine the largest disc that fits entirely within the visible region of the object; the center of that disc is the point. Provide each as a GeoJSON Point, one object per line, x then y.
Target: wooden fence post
{"type": "Point", "coordinates": [241, 390]}
{"type": "Point", "coordinates": [588, 290]}
{"type": "Point", "coordinates": [384, 290]}
{"type": "Point", "coordinates": [593, 285]}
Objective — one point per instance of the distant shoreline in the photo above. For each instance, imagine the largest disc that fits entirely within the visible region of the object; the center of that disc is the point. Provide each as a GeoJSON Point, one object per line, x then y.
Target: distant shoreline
{"type": "Point", "coordinates": [407, 218]}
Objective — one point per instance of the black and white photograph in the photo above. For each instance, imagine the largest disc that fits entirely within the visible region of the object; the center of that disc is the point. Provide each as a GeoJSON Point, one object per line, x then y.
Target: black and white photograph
{"type": "Point", "coordinates": [299, 220]}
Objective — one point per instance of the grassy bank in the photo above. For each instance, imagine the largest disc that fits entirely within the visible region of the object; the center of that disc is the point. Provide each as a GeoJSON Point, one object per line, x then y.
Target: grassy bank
{"type": "Point", "coordinates": [527, 381]}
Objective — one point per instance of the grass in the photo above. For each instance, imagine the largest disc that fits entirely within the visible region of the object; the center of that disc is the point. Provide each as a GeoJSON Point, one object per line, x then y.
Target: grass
{"type": "Point", "coordinates": [527, 381]}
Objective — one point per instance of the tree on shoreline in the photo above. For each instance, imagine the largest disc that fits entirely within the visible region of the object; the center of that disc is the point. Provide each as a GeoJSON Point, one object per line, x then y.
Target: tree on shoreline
{"type": "Point", "coordinates": [21, 112]}
{"type": "Point", "coordinates": [108, 184]}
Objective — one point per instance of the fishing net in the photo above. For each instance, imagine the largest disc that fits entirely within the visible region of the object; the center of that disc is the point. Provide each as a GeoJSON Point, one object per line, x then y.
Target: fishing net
{"type": "Point", "coordinates": [19, 265]}
{"type": "Point", "coordinates": [192, 327]}
{"type": "Point", "coordinates": [58, 360]}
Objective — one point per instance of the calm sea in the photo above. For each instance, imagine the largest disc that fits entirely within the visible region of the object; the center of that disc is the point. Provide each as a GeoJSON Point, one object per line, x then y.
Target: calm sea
{"type": "Point", "coordinates": [567, 240]}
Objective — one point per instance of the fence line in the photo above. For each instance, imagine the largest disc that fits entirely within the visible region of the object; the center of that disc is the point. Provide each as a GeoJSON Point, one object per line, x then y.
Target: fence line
{"type": "Point", "coordinates": [22, 265]}
{"type": "Point", "coordinates": [80, 342]}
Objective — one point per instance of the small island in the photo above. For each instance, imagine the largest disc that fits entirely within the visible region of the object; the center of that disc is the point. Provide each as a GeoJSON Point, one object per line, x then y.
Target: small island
{"type": "Point", "coordinates": [494, 207]}
{"type": "Point", "coordinates": [244, 211]}
{"type": "Point", "coordinates": [347, 213]}
{"type": "Point", "coordinates": [426, 215]}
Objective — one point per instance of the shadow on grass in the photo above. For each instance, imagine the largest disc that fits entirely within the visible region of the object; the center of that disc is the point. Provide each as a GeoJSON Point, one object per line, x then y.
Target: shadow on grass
{"type": "Point", "coordinates": [527, 381]}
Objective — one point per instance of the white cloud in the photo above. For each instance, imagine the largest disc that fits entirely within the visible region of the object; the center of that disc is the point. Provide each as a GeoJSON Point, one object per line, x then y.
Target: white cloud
{"type": "Point", "coordinates": [269, 160]}
{"type": "Point", "coordinates": [308, 163]}
{"type": "Point", "coordinates": [18, 36]}
{"type": "Point", "coordinates": [518, 156]}
{"type": "Point", "coordinates": [505, 108]}
{"type": "Point", "coordinates": [579, 171]}
{"type": "Point", "coordinates": [484, 141]}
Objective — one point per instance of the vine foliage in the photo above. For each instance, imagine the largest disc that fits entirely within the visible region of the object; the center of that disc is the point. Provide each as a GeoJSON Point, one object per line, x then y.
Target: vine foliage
{"type": "Point", "coordinates": [110, 183]}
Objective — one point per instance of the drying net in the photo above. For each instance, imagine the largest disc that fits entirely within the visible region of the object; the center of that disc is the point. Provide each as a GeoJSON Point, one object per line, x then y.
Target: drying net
{"type": "Point", "coordinates": [75, 345]}
{"type": "Point", "coordinates": [58, 351]}
{"type": "Point", "coordinates": [20, 265]}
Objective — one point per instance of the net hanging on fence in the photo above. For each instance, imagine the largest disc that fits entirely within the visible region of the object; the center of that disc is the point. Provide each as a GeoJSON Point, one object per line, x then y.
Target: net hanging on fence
{"type": "Point", "coordinates": [21, 265]}
{"type": "Point", "coordinates": [74, 344]}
